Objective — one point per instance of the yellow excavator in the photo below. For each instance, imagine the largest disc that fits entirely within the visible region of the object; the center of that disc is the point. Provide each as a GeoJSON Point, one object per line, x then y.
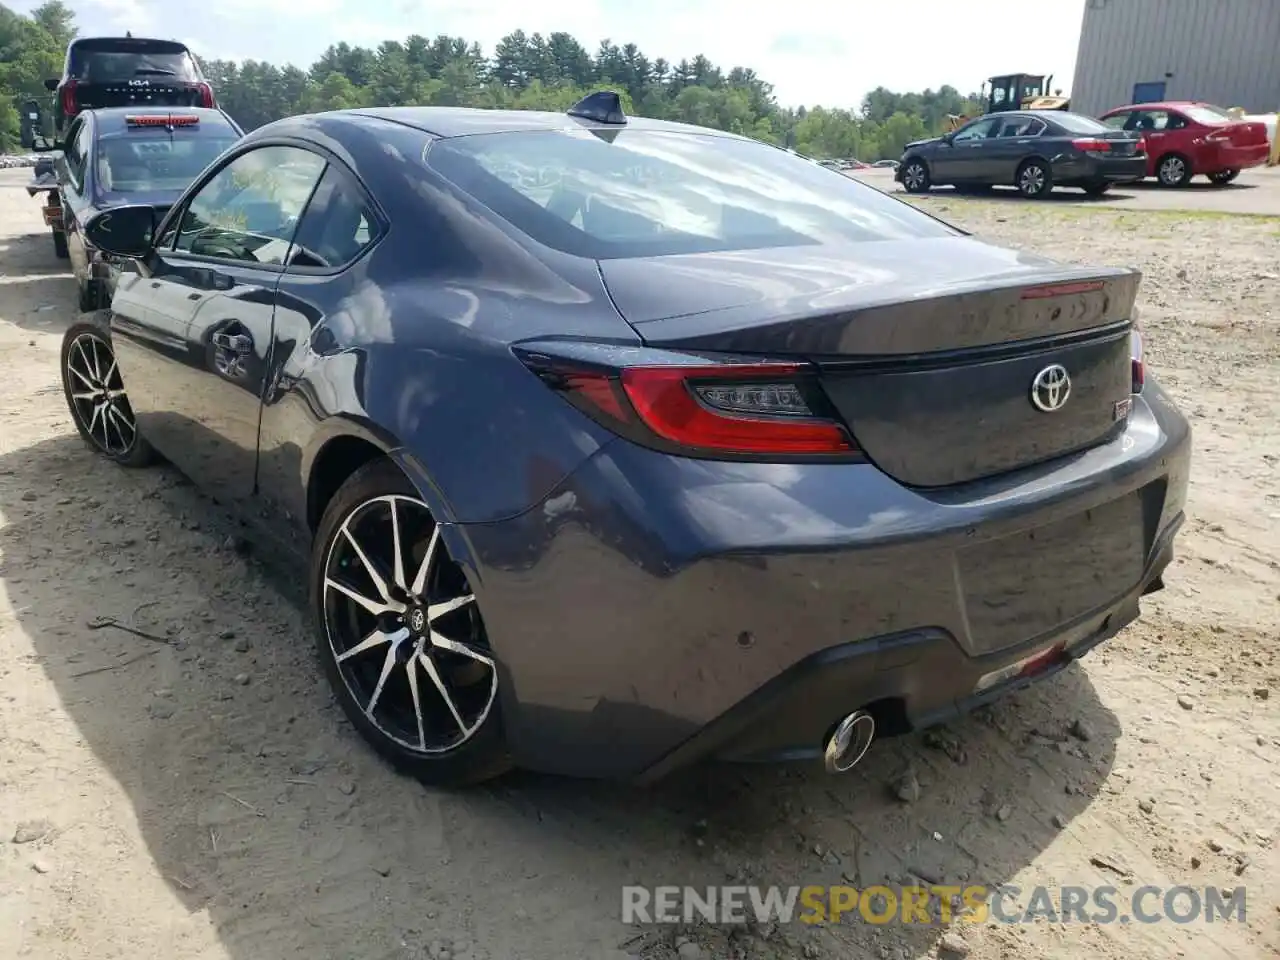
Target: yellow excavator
{"type": "Point", "coordinates": [1016, 91]}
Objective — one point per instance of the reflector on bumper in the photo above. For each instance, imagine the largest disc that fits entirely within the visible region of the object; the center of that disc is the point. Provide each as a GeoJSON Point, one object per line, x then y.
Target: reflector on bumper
{"type": "Point", "coordinates": [1026, 667]}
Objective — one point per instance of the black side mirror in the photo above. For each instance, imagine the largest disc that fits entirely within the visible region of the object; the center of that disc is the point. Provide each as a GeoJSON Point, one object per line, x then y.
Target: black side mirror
{"type": "Point", "coordinates": [51, 84]}
{"type": "Point", "coordinates": [124, 231]}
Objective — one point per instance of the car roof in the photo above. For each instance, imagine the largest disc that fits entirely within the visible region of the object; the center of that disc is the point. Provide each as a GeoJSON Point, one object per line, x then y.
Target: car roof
{"type": "Point", "coordinates": [112, 119]}
{"type": "Point", "coordinates": [465, 121]}
{"type": "Point", "coordinates": [1161, 105]}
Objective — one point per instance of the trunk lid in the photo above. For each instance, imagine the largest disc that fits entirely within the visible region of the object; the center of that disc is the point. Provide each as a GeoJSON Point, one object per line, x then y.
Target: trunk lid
{"type": "Point", "coordinates": [929, 350]}
{"type": "Point", "coordinates": [1120, 143]}
{"type": "Point", "coordinates": [1246, 133]}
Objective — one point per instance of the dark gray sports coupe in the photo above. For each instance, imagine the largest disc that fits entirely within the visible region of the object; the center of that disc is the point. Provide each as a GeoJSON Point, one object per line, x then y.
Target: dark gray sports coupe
{"type": "Point", "coordinates": [613, 444]}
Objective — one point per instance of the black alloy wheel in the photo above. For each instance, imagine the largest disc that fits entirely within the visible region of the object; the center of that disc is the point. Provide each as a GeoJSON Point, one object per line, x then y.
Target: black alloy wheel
{"type": "Point", "coordinates": [95, 394]}
{"type": "Point", "coordinates": [400, 635]}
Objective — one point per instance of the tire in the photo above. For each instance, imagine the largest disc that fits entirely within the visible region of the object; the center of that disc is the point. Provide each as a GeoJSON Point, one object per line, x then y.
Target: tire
{"type": "Point", "coordinates": [88, 300]}
{"type": "Point", "coordinates": [1034, 179]}
{"type": "Point", "coordinates": [1222, 177]}
{"type": "Point", "coordinates": [915, 177]}
{"type": "Point", "coordinates": [1096, 189]}
{"type": "Point", "coordinates": [1174, 170]}
{"type": "Point", "coordinates": [96, 397]}
{"type": "Point", "coordinates": [60, 245]}
{"type": "Point", "coordinates": [462, 742]}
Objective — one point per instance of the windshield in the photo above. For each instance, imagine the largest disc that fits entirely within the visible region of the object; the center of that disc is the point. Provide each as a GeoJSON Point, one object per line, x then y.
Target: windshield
{"type": "Point", "coordinates": [1204, 113]}
{"type": "Point", "coordinates": [637, 193]}
{"type": "Point", "coordinates": [128, 163]}
{"type": "Point", "coordinates": [113, 61]}
{"type": "Point", "coordinates": [1077, 123]}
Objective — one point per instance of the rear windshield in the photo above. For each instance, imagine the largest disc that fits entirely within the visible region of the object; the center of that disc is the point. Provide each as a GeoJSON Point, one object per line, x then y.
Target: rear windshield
{"type": "Point", "coordinates": [1077, 123]}
{"type": "Point", "coordinates": [135, 162]}
{"type": "Point", "coordinates": [1203, 113]}
{"type": "Point", "coordinates": [116, 60]}
{"type": "Point", "coordinates": [638, 193]}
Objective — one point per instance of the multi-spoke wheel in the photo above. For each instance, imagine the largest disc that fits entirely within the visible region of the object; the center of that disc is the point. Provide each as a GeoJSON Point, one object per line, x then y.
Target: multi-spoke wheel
{"type": "Point", "coordinates": [1173, 170]}
{"type": "Point", "coordinates": [1034, 179]}
{"type": "Point", "coordinates": [95, 394]}
{"type": "Point", "coordinates": [400, 632]}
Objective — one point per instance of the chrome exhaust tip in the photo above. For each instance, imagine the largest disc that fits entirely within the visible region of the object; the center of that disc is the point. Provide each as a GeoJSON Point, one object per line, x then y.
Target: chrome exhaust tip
{"type": "Point", "coordinates": [849, 742]}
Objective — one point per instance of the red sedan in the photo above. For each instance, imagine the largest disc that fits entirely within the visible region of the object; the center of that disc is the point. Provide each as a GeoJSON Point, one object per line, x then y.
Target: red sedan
{"type": "Point", "coordinates": [1185, 138]}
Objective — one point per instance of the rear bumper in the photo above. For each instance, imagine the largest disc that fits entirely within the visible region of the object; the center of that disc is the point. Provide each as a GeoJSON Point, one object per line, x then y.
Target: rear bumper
{"type": "Point", "coordinates": [655, 610]}
{"type": "Point", "coordinates": [910, 680]}
{"type": "Point", "coordinates": [1086, 169]}
{"type": "Point", "coordinates": [1235, 158]}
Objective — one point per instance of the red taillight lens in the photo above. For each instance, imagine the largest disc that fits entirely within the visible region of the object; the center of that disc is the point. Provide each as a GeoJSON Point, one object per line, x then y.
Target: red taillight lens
{"type": "Point", "coordinates": [1137, 363]}
{"type": "Point", "coordinates": [739, 409]}
{"type": "Point", "coordinates": [1091, 145]}
{"type": "Point", "coordinates": [731, 409]}
{"type": "Point", "coordinates": [1070, 289]}
{"type": "Point", "coordinates": [69, 98]}
{"type": "Point", "coordinates": [206, 95]}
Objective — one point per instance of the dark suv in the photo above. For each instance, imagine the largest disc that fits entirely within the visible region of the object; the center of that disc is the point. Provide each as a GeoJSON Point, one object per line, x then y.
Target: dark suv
{"type": "Point", "coordinates": [126, 71]}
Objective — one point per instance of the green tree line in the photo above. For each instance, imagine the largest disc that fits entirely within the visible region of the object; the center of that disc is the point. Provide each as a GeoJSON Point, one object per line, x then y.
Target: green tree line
{"type": "Point", "coordinates": [525, 72]}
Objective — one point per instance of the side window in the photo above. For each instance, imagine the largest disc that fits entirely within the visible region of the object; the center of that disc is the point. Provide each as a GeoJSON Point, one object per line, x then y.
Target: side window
{"type": "Point", "coordinates": [1118, 121]}
{"type": "Point", "coordinates": [1177, 121]}
{"type": "Point", "coordinates": [73, 155]}
{"type": "Point", "coordinates": [977, 130]}
{"type": "Point", "coordinates": [1022, 127]}
{"type": "Point", "coordinates": [1149, 120]}
{"type": "Point", "coordinates": [337, 225]}
{"type": "Point", "coordinates": [998, 96]}
{"type": "Point", "coordinates": [249, 210]}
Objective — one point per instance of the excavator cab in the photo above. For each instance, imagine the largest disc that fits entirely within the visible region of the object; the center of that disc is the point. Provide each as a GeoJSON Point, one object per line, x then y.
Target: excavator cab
{"type": "Point", "coordinates": [1014, 91]}
{"type": "Point", "coordinates": [1024, 91]}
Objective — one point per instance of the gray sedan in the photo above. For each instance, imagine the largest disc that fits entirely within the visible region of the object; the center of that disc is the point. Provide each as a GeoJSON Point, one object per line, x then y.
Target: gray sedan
{"type": "Point", "coordinates": [607, 445]}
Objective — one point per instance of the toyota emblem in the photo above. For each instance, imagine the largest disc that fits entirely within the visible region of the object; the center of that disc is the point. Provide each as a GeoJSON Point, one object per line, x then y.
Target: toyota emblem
{"type": "Point", "coordinates": [417, 620]}
{"type": "Point", "coordinates": [1050, 388]}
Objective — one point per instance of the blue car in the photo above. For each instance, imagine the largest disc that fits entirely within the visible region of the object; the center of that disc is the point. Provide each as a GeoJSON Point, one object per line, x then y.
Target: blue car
{"type": "Point", "coordinates": [606, 445]}
{"type": "Point", "coordinates": [118, 156]}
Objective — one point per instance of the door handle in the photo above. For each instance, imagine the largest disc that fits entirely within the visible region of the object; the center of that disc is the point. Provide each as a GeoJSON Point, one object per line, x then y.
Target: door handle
{"type": "Point", "coordinates": [230, 351]}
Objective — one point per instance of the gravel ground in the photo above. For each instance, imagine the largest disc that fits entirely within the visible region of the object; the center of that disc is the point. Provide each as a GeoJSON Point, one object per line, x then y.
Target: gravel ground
{"type": "Point", "coordinates": [200, 797]}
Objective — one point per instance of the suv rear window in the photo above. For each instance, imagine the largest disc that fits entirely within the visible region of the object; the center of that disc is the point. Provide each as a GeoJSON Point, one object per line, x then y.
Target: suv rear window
{"type": "Point", "coordinates": [640, 193]}
{"type": "Point", "coordinates": [112, 60]}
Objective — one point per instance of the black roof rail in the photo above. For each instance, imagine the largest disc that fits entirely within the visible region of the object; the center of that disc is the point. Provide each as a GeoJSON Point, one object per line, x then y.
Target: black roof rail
{"type": "Point", "coordinates": [603, 106]}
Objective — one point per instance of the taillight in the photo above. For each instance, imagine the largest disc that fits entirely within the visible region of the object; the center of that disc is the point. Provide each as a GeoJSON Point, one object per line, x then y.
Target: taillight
{"type": "Point", "coordinates": [1091, 145]}
{"type": "Point", "coordinates": [69, 98]}
{"type": "Point", "coordinates": [1142, 145]}
{"type": "Point", "coordinates": [206, 94]}
{"type": "Point", "coordinates": [1136, 362]}
{"type": "Point", "coordinates": [1218, 136]}
{"type": "Point", "coordinates": [735, 409]}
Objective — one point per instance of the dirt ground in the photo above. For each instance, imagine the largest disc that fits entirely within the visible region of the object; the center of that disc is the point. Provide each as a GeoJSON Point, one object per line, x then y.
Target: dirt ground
{"type": "Point", "coordinates": [201, 798]}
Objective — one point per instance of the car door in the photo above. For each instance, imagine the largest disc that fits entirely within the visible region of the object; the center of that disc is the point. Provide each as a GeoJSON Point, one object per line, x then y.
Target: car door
{"type": "Point", "coordinates": [1014, 139]}
{"type": "Point", "coordinates": [1154, 127]}
{"type": "Point", "coordinates": [208, 304]}
{"type": "Point", "coordinates": [325, 284]}
{"type": "Point", "coordinates": [962, 158]}
{"type": "Point", "coordinates": [74, 191]}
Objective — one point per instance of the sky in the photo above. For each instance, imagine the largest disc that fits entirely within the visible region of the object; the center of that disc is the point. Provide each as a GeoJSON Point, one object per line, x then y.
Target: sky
{"type": "Point", "coordinates": [824, 52]}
